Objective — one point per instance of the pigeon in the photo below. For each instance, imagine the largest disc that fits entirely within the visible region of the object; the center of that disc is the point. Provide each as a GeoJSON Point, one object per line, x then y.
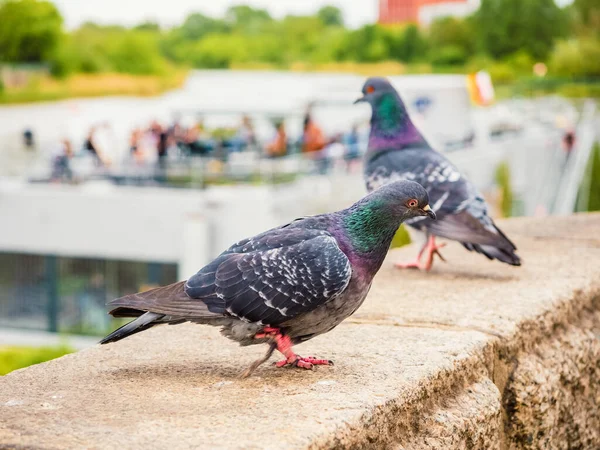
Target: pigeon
{"type": "Point", "coordinates": [398, 151]}
{"type": "Point", "coordinates": [288, 284]}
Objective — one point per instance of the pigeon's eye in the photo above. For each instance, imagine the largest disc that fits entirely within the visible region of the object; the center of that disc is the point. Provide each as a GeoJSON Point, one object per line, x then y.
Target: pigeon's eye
{"type": "Point", "coordinates": [412, 203]}
{"type": "Point", "coordinates": [370, 89]}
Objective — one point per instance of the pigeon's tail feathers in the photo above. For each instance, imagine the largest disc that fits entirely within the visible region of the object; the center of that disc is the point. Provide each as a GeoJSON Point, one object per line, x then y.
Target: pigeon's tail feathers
{"type": "Point", "coordinates": [170, 300]}
{"type": "Point", "coordinates": [476, 235]}
{"type": "Point", "coordinates": [503, 250]}
{"type": "Point", "coordinates": [126, 312]}
{"type": "Point", "coordinates": [508, 241]}
{"type": "Point", "coordinates": [501, 254]}
{"type": "Point", "coordinates": [143, 322]}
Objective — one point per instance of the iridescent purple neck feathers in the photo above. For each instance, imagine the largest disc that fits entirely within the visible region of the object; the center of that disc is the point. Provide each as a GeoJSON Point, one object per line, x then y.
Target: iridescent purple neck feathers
{"type": "Point", "coordinates": [391, 126]}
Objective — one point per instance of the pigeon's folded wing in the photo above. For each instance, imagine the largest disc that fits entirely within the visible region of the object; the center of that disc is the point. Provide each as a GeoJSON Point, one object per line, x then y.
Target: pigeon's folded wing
{"type": "Point", "coordinates": [272, 285]}
{"type": "Point", "coordinates": [447, 189]}
{"type": "Point", "coordinates": [464, 227]}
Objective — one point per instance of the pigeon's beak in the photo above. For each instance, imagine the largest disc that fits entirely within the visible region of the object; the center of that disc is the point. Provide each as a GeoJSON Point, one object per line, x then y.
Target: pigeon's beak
{"type": "Point", "coordinates": [429, 212]}
{"type": "Point", "coordinates": [360, 100]}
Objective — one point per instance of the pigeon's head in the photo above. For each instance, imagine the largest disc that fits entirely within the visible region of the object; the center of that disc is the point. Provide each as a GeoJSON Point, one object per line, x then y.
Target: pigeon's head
{"type": "Point", "coordinates": [406, 199]}
{"type": "Point", "coordinates": [376, 88]}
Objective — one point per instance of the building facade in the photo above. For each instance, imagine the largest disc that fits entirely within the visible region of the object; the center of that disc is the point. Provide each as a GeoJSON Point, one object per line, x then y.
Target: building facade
{"type": "Point", "coordinates": [423, 12]}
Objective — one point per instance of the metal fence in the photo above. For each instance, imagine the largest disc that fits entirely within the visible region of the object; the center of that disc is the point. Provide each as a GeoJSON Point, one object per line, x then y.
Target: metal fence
{"type": "Point", "coordinates": [68, 295]}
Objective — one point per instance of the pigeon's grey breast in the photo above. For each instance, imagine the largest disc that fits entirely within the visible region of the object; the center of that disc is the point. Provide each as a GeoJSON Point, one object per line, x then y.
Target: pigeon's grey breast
{"type": "Point", "coordinates": [329, 315]}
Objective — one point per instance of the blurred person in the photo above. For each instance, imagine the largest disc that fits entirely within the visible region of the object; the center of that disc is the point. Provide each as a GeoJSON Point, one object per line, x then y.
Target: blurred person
{"type": "Point", "coordinates": [243, 137]}
{"type": "Point", "coordinates": [135, 148]}
{"type": "Point", "coordinates": [28, 140]}
{"type": "Point", "coordinates": [196, 140]}
{"type": "Point", "coordinates": [246, 132]}
{"type": "Point", "coordinates": [278, 146]}
{"type": "Point", "coordinates": [332, 152]}
{"type": "Point", "coordinates": [61, 163]}
{"type": "Point", "coordinates": [162, 147]}
{"type": "Point", "coordinates": [352, 155]}
{"type": "Point", "coordinates": [313, 139]}
{"type": "Point", "coordinates": [568, 142]}
{"type": "Point", "coordinates": [91, 146]}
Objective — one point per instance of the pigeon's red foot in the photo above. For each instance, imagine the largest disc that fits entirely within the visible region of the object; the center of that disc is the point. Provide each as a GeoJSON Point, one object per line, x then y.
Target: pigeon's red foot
{"type": "Point", "coordinates": [424, 260]}
{"type": "Point", "coordinates": [431, 249]}
{"type": "Point", "coordinates": [410, 265]}
{"type": "Point", "coordinates": [304, 363]}
{"type": "Point", "coordinates": [284, 345]}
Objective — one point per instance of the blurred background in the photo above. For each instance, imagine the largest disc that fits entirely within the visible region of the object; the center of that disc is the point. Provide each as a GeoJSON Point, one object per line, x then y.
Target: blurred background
{"type": "Point", "coordinates": [139, 140]}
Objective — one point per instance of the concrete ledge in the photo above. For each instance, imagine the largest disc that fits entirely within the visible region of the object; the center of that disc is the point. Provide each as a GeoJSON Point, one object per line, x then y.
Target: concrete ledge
{"type": "Point", "coordinates": [472, 355]}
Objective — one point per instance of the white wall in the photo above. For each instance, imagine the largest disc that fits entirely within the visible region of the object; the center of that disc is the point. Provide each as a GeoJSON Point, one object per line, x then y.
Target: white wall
{"type": "Point", "coordinates": [103, 221]}
{"type": "Point", "coordinates": [187, 227]}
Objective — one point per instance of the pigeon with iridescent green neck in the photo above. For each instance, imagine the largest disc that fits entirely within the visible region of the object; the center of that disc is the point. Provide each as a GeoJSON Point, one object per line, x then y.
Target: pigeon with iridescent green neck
{"type": "Point", "coordinates": [398, 151]}
{"type": "Point", "coordinates": [288, 284]}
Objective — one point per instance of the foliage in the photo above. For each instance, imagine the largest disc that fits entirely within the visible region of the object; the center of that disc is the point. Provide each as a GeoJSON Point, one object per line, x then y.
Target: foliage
{"type": "Point", "coordinates": [94, 49]}
{"type": "Point", "coordinates": [576, 58]}
{"type": "Point", "coordinates": [452, 32]}
{"type": "Point", "coordinates": [449, 55]}
{"type": "Point", "coordinates": [506, 195]}
{"type": "Point", "coordinates": [246, 19]}
{"type": "Point", "coordinates": [594, 199]}
{"type": "Point", "coordinates": [593, 183]}
{"type": "Point", "coordinates": [13, 358]}
{"type": "Point", "coordinates": [197, 25]}
{"type": "Point", "coordinates": [331, 16]}
{"type": "Point", "coordinates": [401, 238]}
{"type": "Point", "coordinates": [507, 26]}
{"type": "Point", "coordinates": [586, 17]}
{"type": "Point", "coordinates": [94, 85]}
{"type": "Point", "coordinates": [372, 43]}
{"type": "Point", "coordinates": [505, 37]}
{"type": "Point", "coordinates": [147, 26]}
{"type": "Point", "coordinates": [30, 30]}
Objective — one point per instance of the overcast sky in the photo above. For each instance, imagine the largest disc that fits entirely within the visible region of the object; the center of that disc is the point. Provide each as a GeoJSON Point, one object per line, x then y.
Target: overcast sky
{"type": "Point", "coordinates": [172, 12]}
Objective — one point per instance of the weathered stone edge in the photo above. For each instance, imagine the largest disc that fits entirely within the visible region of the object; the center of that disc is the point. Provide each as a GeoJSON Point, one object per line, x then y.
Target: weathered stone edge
{"type": "Point", "coordinates": [497, 359]}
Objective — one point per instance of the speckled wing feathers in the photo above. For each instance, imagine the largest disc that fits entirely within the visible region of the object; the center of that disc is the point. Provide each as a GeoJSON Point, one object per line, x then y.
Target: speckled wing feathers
{"type": "Point", "coordinates": [460, 208]}
{"type": "Point", "coordinates": [273, 276]}
{"type": "Point", "coordinates": [447, 190]}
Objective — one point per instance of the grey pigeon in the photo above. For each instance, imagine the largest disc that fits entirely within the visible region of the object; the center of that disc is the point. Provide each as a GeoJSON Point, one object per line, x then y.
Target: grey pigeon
{"type": "Point", "coordinates": [288, 284]}
{"type": "Point", "coordinates": [398, 151]}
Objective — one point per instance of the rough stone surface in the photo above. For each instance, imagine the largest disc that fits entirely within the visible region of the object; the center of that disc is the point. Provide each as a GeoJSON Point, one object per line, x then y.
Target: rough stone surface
{"type": "Point", "coordinates": [472, 355]}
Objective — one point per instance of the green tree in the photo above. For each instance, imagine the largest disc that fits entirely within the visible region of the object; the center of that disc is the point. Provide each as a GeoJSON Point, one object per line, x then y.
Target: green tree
{"type": "Point", "coordinates": [135, 52]}
{"type": "Point", "coordinates": [331, 16]}
{"type": "Point", "coordinates": [247, 19]}
{"type": "Point", "coordinates": [586, 17]}
{"type": "Point", "coordinates": [217, 51]}
{"type": "Point", "coordinates": [369, 43]}
{"type": "Point", "coordinates": [452, 31]}
{"type": "Point", "coordinates": [576, 58]}
{"type": "Point", "coordinates": [147, 26]}
{"type": "Point", "coordinates": [300, 36]}
{"type": "Point", "coordinates": [506, 26]}
{"type": "Point", "coordinates": [405, 44]}
{"type": "Point", "coordinates": [589, 11]}
{"type": "Point", "coordinates": [197, 25]}
{"type": "Point", "coordinates": [30, 30]}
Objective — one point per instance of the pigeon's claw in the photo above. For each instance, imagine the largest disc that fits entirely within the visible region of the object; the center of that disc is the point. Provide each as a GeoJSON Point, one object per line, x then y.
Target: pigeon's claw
{"type": "Point", "coordinates": [410, 265]}
{"type": "Point", "coordinates": [283, 344]}
{"type": "Point", "coordinates": [424, 260]}
{"type": "Point", "coordinates": [304, 363]}
{"type": "Point", "coordinates": [431, 249]}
